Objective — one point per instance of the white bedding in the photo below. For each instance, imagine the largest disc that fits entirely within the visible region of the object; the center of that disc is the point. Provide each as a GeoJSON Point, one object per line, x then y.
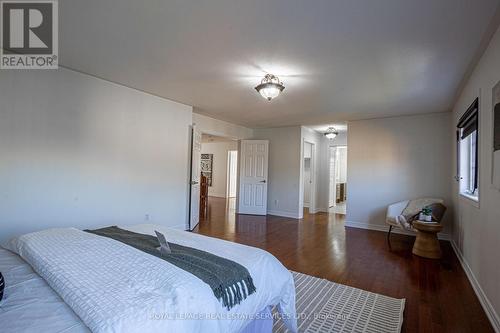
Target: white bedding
{"type": "Point", "coordinates": [116, 288]}
{"type": "Point", "coordinates": [29, 305]}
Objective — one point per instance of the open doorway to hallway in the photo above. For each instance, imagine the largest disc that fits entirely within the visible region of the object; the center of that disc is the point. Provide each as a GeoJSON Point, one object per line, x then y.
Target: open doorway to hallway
{"type": "Point", "coordinates": [323, 169]}
{"type": "Point", "coordinates": [338, 179]}
{"type": "Point", "coordinates": [219, 158]}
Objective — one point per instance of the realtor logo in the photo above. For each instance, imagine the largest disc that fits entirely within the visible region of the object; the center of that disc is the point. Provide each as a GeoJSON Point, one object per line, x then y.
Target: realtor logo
{"type": "Point", "coordinates": [29, 34]}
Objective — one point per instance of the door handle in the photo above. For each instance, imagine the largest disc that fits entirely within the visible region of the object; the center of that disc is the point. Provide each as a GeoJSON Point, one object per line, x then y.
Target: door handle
{"type": "Point", "coordinates": [194, 183]}
{"type": "Point", "coordinates": [263, 181]}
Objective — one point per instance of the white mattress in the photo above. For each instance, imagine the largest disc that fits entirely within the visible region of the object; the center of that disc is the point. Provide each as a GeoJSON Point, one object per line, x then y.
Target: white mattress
{"type": "Point", "coordinates": [29, 304]}
{"type": "Point", "coordinates": [270, 277]}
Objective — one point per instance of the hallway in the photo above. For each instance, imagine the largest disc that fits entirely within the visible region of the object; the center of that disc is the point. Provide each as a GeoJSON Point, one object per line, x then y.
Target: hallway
{"type": "Point", "coordinates": [340, 208]}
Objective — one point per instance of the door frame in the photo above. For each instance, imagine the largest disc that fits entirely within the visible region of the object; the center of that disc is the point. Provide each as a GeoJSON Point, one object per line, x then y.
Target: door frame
{"type": "Point", "coordinates": [312, 196]}
{"type": "Point", "coordinates": [228, 171]}
{"type": "Point", "coordinates": [191, 227]}
{"type": "Point", "coordinates": [335, 148]}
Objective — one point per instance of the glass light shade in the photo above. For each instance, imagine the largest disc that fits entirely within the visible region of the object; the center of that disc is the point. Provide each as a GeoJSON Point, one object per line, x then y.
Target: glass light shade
{"type": "Point", "coordinates": [331, 133]}
{"type": "Point", "coordinates": [270, 87]}
{"type": "Point", "coordinates": [331, 136]}
{"type": "Point", "coordinates": [270, 91]}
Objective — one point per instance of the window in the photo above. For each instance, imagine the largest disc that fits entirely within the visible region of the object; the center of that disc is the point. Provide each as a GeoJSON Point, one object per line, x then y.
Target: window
{"type": "Point", "coordinates": [467, 152]}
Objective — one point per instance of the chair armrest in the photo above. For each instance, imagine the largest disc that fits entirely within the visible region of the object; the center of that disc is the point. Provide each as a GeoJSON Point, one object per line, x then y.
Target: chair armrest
{"type": "Point", "coordinates": [396, 209]}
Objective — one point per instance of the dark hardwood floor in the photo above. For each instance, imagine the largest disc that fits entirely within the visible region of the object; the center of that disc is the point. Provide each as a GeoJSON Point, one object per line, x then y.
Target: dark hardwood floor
{"type": "Point", "coordinates": [439, 297]}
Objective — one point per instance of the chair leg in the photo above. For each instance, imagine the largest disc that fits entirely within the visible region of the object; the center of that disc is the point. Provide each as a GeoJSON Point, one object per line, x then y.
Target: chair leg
{"type": "Point", "coordinates": [389, 235]}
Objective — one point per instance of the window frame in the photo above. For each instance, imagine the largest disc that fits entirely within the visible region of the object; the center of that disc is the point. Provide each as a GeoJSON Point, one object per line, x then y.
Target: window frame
{"type": "Point", "coordinates": [469, 122]}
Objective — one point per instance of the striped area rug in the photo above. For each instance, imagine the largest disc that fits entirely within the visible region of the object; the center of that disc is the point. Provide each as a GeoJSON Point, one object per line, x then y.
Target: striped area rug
{"type": "Point", "coordinates": [325, 306]}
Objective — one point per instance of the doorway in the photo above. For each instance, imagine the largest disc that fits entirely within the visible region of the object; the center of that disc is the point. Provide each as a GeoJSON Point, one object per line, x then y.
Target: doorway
{"type": "Point", "coordinates": [309, 177]}
{"type": "Point", "coordinates": [218, 172]}
{"type": "Point", "coordinates": [338, 180]}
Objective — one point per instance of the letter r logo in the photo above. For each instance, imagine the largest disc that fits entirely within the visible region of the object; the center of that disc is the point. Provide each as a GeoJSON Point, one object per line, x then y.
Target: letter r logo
{"type": "Point", "coordinates": [27, 27]}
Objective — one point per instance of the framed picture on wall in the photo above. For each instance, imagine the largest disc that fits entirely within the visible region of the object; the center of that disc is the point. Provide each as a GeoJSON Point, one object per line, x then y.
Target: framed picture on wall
{"type": "Point", "coordinates": [496, 137]}
{"type": "Point", "coordinates": [207, 162]}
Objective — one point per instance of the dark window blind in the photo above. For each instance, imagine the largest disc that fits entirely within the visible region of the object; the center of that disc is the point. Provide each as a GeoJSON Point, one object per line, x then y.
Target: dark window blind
{"type": "Point", "coordinates": [469, 121]}
{"type": "Point", "coordinates": [468, 124]}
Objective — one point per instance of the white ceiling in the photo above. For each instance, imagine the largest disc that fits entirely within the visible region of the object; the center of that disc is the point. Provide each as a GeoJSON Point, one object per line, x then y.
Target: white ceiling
{"type": "Point", "coordinates": [339, 59]}
{"type": "Point", "coordinates": [339, 127]}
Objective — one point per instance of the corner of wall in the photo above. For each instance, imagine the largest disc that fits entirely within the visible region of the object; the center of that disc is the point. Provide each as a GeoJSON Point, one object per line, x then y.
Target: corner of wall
{"type": "Point", "coordinates": [222, 128]}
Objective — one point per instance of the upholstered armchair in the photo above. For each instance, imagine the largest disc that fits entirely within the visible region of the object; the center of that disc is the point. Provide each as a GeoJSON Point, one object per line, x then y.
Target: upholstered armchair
{"type": "Point", "coordinates": [396, 210]}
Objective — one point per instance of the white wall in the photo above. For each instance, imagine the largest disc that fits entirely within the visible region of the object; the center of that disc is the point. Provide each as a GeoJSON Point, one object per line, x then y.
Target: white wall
{"type": "Point", "coordinates": [476, 231]}
{"type": "Point", "coordinates": [79, 151]}
{"type": "Point", "coordinates": [286, 169]}
{"type": "Point", "coordinates": [219, 173]}
{"type": "Point", "coordinates": [394, 159]}
{"type": "Point", "coordinates": [285, 189]}
{"type": "Point", "coordinates": [217, 127]}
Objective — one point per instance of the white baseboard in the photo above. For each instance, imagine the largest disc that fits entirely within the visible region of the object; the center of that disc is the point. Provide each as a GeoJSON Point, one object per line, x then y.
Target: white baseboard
{"type": "Point", "coordinates": [283, 214]}
{"type": "Point", "coordinates": [483, 299]}
{"type": "Point", "coordinates": [306, 205]}
{"type": "Point", "coordinates": [385, 228]}
{"type": "Point", "coordinates": [217, 196]}
{"type": "Point", "coordinates": [313, 211]}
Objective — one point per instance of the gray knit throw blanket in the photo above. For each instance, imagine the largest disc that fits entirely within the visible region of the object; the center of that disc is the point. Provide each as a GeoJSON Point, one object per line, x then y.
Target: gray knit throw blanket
{"type": "Point", "coordinates": [230, 281]}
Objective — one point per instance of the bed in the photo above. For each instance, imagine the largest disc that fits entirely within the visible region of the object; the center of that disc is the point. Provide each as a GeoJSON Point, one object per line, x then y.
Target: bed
{"type": "Point", "coordinates": [29, 304]}
{"type": "Point", "coordinates": [67, 280]}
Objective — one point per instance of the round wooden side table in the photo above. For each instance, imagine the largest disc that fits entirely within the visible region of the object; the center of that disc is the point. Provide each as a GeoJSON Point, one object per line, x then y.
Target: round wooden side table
{"type": "Point", "coordinates": [427, 244]}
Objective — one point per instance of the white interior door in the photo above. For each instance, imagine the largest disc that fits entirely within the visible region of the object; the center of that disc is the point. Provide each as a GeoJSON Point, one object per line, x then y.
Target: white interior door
{"type": "Point", "coordinates": [194, 215]}
{"type": "Point", "coordinates": [253, 177]}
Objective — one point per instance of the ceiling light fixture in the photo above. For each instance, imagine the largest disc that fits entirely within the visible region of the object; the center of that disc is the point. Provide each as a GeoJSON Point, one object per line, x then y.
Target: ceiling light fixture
{"type": "Point", "coordinates": [331, 133]}
{"type": "Point", "coordinates": [270, 87]}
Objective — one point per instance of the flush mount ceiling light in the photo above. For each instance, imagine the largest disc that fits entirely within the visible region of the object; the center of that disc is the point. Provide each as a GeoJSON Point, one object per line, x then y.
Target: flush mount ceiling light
{"type": "Point", "coordinates": [331, 133]}
{"type": "Point", "coordinates": [270, 87]}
